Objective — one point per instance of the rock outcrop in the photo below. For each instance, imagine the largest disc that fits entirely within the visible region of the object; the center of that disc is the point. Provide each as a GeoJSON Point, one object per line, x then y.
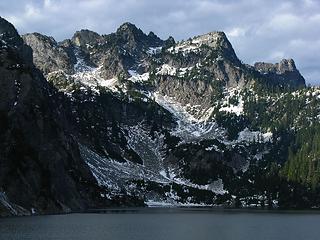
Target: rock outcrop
{"type": "Point", "coordinates": [284, 72]}
{"type": "Point", "coordinates": [48, 55]}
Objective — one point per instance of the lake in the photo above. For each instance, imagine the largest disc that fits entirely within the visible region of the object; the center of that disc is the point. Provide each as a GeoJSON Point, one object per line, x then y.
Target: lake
{"type": "Point", "coordinates": [164, 224]}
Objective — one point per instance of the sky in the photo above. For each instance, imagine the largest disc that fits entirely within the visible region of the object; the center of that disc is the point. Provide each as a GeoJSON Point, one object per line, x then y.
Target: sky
{"type": "Point", "coordinates": [259, 30]}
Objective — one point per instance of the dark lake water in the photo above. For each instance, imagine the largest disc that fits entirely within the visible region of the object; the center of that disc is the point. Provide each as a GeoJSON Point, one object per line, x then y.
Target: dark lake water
{"type": "Point", "coordinates": [165, 224]}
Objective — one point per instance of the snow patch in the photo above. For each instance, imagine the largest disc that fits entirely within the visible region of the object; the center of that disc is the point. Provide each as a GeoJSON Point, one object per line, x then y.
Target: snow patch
{"type": "Point", "coordinates": [254, 136]}
{"type": "Point", "coordinates": [149, 150]}
{"type": "Point", "coordinates": [184, 47]}
{"type": "Point", "coordinates": [135, 77]}
{"type": "Point", "coordinates": [190, 128]}
{"type": "Point", "coordinates": [90, 76]}
{"type": "Point", "coordinates": [166, 69]}
{"type": "Point", "coordinates": [194, 45]}
{"type": "Point", "coordinates": [154, 50]}
{"type": "Point", "coordinates": [228, 105]}
{"type": "Point", "coordinates": [113, 174]}
{"type": "Point", "coordinates": [168, 204]}
{"type": "Point", "coordinates": [92, 79]}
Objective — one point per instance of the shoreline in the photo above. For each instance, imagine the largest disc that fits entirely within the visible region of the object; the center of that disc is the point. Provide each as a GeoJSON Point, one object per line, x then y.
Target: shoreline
{"type": "Point", "coordinates": [175, 209]}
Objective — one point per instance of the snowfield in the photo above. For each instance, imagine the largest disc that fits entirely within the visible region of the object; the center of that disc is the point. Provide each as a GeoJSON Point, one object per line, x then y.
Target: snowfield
{"type": "Point", "coordinates": [117, 177]}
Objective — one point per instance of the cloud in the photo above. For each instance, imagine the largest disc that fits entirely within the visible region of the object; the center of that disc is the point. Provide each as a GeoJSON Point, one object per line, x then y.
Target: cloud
{"type": "Point", "coordinates": [259, 30]}
{"type": "Point", "coordinates": [237, 32]}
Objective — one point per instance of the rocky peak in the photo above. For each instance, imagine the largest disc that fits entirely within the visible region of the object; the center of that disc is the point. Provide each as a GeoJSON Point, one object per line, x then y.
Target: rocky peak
{"type": "Point", "coordinates": [40, 39]}
{"type": "Point", "coordinates": [83, 37]}
{"type": "Point", "coordinates": [48, 55]}
{"type": "Point", "coordinates": [169, 42]}
{"type": "Point", "coordinates": [213, 43]}
{"type": "Point", "coordinates": [9, 38]}
{"type": "Point", "coordinates": [126, 49]}
{"type": "Point", "coordinates": [219, 41]}
{"type": "Point", "coordinates": [8, 34]}
{"type": "Point", "coordinates": [285, 65]}
{"type": "Point", "coordinates": [129, 33]}
{"type": "Point", "coordinates": [154, 39]}
{"type": "Point", "coordinates": [213, 39]}
{"type": "Point", "coordinates": [129, 28]}
{"type": "Point", "coordinates": [285, 71]}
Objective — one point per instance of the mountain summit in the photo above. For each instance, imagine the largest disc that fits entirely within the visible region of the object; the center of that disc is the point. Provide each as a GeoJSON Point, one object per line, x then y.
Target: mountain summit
{"type": "Point", "coordinates": [83, 37]}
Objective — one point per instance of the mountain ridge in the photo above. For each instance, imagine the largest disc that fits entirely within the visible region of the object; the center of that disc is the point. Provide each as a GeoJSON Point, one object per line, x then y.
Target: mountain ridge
{"type": "Point", "coordinates": [138, 37]}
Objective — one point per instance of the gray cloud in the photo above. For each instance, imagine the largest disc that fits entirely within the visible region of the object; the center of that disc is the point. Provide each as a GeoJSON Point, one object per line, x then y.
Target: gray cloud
{"type": "Point", "coordinates": [259, 30]}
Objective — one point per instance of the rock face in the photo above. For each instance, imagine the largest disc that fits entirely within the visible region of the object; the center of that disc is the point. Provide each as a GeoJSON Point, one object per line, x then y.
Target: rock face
{"type": "Point", "coordinates": [10, 39]}
{"type": "Point", "coordinates": [84, 37]}
{"type": "Point", "coordinates": [40, 163]}
{"type": "Point", "coordinates": [219, 41]}
{"type": "Point", "coordinates": [284, 72]}
{"type": "Point", "coordinates": [133, 39]}
{"type": "Point", "coordinates": [201, 68]}
{"type": "Point", "coordinates": [48, 55]}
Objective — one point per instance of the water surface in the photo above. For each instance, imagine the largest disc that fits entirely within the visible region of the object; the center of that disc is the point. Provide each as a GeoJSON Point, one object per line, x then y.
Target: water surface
{"type": "Point", "coordinates": [165, 224]}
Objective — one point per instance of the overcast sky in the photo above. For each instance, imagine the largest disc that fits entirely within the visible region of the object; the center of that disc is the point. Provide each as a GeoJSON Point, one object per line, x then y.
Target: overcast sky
{"type": "Point", "coordinates": [259, 30]}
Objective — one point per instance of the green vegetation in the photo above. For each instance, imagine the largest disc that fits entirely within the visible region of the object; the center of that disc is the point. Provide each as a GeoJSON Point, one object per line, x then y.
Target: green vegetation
{"type": "Point", "coordinates": [303, 165]}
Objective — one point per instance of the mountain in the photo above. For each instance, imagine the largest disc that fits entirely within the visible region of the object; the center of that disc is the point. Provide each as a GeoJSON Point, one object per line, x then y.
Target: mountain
{"type": "Point", "coordinates": [133, 119]}
{"type": "Point", "coordinates": [41, 167]}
